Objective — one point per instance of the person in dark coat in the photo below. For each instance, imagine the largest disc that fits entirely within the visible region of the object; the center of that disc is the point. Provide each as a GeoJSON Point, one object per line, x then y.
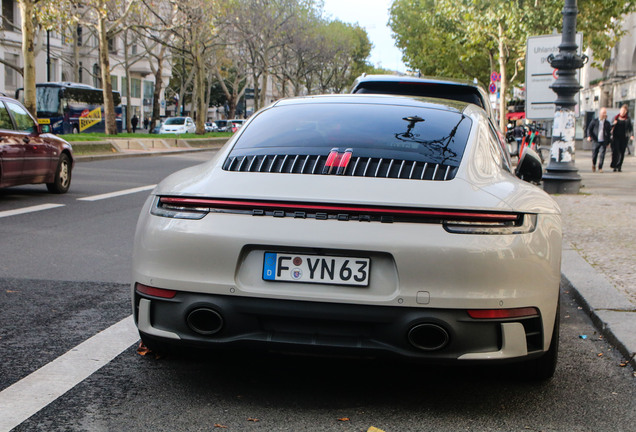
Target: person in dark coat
{"type": "Point", "coordinates": [133, 122]}
{"type": "Point", "coordinates": [622, 132]}
{"type": "Point", "coordinates": [599, 131]}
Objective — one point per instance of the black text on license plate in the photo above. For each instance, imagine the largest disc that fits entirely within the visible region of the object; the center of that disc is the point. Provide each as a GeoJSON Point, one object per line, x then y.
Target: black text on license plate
{"type": "Point", "coordinates": [316, 269]}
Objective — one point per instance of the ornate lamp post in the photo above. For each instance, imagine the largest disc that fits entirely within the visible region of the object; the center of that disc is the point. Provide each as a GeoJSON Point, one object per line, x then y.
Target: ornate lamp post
{"type": "Point", "coordinates": [561, 174]}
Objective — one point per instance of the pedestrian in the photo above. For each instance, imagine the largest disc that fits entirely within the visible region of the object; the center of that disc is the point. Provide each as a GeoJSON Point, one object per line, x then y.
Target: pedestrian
{"type": "Point", "coordinates": [599, 131]}
{"type": "Point", "coordinates": [133, 123]}
{"type": "Point", "coordinates": [622, 132]}
{"type": "Point", "coordinates": [146, 121]}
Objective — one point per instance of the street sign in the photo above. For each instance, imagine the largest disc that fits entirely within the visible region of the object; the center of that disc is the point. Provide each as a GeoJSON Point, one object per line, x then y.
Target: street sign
{"type": "Point", "coordinates": [495, 76]}
{"type": "Point", "coordinates": [540, 75]}
{"type": "Point", "coordinates": [492, 88]}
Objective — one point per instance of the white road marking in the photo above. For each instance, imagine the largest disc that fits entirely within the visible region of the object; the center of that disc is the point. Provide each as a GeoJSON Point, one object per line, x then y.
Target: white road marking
{"type": "Point", "coordinates": [31, 209]}
{"type": "Point", "coordinates": [117, 193]}
{"type": "Point", "coordinates": [34, 392]}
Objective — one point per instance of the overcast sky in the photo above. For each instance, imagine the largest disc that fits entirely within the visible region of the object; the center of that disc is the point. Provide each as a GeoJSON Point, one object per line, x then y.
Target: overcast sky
{"type": "Point", "coordinates": [373, 15]}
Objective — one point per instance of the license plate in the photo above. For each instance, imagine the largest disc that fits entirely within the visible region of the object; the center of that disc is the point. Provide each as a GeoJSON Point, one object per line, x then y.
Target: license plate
{"type": "Point", "coordinates": [322, 269]}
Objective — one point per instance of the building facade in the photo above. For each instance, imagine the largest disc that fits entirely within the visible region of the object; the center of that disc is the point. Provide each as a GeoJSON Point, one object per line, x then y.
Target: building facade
{"type": "Point", "coordinates": [73, 56]}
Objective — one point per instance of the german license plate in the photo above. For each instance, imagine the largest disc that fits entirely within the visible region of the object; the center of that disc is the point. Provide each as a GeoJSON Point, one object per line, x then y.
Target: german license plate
{"type": "Point", "coordinates": [322, 269]}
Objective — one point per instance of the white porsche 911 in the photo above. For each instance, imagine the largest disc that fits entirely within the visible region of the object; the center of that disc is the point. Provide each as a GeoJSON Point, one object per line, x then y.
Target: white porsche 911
{"type": "Point", "coordinates": [364, 224]}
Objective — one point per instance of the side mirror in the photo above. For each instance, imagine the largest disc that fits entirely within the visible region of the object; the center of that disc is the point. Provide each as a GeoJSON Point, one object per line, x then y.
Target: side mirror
{"type": "Point", "coordinates": [529, 167]}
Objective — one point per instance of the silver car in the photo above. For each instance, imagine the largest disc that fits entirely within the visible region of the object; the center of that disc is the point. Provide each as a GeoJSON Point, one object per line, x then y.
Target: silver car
{"type": "Point", "coordinates": [358, 224]}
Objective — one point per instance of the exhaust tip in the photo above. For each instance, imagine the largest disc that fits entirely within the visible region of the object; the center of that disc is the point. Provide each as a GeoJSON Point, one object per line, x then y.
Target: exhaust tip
{"type": "Point", "coordinates": [205, 321]}
{"type": "Point", "coordinates": [428, 337]}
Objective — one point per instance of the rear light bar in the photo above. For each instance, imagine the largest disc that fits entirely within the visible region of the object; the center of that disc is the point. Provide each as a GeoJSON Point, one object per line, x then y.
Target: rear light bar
{"type": "Point", "coordinates": [503, 313]}
{"type": "Point", "coordinates": [155, 292]}
{"type": "Point", "coordinates": [203, 204]}
{"type": "Point", "coordinates": [453, 221]}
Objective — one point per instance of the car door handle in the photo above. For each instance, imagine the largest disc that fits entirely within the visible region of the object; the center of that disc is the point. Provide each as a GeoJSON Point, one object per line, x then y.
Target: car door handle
{"type": "Point", "coordinates": [26, 140]}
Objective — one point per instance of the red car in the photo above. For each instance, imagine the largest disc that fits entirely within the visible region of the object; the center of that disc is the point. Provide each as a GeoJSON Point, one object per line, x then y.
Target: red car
{"type": "Point", "coordinates": [28, 153]}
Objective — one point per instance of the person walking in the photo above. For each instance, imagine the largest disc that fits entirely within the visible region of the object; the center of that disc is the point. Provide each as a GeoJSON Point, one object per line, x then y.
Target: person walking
{"type": "Point", "coordinates": [622, 132]}
{"type": "Point", "coordinates": [599, 131]}
{"type": "Point", "coordinates": [133, 122]}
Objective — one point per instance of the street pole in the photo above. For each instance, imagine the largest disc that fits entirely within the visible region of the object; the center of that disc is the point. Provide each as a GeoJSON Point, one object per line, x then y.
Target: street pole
{"type": "Point", "coordinates": [48, 56]}
{"type": "Point", "coordinates": [561, 176]}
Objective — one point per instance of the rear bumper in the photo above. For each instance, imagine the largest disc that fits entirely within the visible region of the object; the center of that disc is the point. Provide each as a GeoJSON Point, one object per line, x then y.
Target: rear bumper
{"type": "Point", "coordinates": [423, 334]}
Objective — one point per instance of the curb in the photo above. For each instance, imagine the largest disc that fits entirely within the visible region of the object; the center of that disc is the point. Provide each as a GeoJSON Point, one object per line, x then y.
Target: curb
{"type": "Point", "coordinates": [124, 154]}
{"type": "Point", "coordinates": [611, 311]}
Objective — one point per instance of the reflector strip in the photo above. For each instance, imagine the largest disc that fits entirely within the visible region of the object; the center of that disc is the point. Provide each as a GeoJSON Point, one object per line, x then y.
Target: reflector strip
{"type": "Point", "coordinates": [441, 214]}
{"type": "Point", "coordinates": [155, 292]}
{"type": "Point", "coordinates": [503, 313]}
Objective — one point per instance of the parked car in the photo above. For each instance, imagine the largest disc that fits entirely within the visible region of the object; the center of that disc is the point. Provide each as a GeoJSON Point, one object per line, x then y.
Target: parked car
{"type": "Point", "coordinates": [178, 125]}
{"type": "Point", "coordinates": [444, 88]}
{"type": "Point", "coordinates": [221, 124]}
{"type": "Point", "coordinates": [211, 127]}
{"type": "Point", "coordinates": [234, 124]}
{"type": "Point", "coordinates": [358, 224]}
{"type": "Point", "coordinates": [28, 153]}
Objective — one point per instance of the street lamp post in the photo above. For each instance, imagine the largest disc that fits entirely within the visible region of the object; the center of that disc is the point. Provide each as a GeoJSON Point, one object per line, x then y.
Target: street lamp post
{"type": "Point", "coordinates": [561, 174]}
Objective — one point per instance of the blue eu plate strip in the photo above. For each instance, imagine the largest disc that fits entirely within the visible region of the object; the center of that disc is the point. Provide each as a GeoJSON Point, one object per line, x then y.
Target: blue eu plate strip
{"type": "Point", "coordinates": [269, 266]}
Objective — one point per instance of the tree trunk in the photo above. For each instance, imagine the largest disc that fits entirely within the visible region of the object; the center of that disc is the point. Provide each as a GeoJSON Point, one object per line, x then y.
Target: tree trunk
{"type": "Point", "coordinates": [504, 78]}
{"type": "Point", "coordinates": [202, 110]}
{"type": "Point", "coordinates": [157, 92]}
{"type": "Point", "coordinates": [109, 103]}
{"type": "Point", "coordinates": [76, 54]}
{"type": "Point", "coordinates": [28, 30]}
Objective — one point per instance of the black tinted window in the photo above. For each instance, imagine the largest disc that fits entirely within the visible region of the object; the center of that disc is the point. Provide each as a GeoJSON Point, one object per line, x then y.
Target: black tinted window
{"type": "Point", "coordinates": [379, 131]}
{"type": "Point", "coordinates": [442, 91]}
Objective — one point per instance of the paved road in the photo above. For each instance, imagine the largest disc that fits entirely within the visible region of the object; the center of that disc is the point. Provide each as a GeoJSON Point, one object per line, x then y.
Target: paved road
{"type": "Point", "coordinates": [53, 298]}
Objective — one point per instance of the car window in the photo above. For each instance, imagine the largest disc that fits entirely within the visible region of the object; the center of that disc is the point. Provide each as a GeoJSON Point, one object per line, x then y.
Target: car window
{"type": "Point", "coordinates": [175, 121]}
{"type": "Point", "coordinates": [377, 131]}
{"type": "Point", "coordinates": [23, 120]}
{"type": "Point", "coordinates": [461, 93]}
{"type": "Point", "coordinates": [5, 120]}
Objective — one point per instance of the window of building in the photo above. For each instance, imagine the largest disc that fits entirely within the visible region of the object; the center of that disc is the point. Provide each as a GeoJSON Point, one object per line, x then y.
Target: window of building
{"type": "Point", "coordinates": [149, 89]}
{"type": "Point", "coordinates": [133, 49]}
{"type": "Point", "coordinates": [97, 82]}
{"type": "Point", "coordinates": [124, 87]}
{"type": "Point", "coordinates": [112, 45]}
{"type": "Point", "coordinates": [114, 82]}
{"type": "Point", "coordinates": [135, 87]}
{"type": "Point", "coordinates": [8, 15]}
{"type": "Point", "coordinates": [10, 74]}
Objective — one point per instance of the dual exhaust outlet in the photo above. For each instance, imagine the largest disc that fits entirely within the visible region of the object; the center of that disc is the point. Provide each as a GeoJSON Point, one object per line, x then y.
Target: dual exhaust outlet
{"type": "Point", "coordinates": [424, 336]}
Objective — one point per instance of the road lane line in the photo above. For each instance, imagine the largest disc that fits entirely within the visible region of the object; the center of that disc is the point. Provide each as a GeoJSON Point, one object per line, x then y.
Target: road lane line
{"type": "Point", "coordinates": [34, 392]}
{"type": "Point", "coordinates": [117, 193]}
{"type": "Point", "coordinates": [31, 209]}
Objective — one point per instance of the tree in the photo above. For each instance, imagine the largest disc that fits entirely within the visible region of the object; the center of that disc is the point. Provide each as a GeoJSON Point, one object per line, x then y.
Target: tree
{"type": "Point", "coordinates": [107, 18]}
{"type": "Point", "coordinates": [466, 38]}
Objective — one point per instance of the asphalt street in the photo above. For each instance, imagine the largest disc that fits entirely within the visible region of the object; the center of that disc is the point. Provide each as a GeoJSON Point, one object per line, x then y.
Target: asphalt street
{"type": "Point", "coordinates": [64, 278]}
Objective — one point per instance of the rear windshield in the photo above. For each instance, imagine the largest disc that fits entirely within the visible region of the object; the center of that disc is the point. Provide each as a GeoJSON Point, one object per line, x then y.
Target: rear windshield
{"type": "Point", "coordinates": [436, 90]}
{"type": "Point", "coordinates": [379, 131]}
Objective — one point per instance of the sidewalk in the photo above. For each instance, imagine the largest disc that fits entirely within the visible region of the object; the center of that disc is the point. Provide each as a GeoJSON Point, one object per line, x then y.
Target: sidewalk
{"type": "Point", "coordinates": [599, 244]}
{"type": "Point", "coordinates": [599, 247]}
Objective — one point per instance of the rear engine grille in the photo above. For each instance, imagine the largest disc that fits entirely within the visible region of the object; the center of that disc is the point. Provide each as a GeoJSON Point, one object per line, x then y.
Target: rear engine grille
{"type": "Point", "coordinates": [357, 167]}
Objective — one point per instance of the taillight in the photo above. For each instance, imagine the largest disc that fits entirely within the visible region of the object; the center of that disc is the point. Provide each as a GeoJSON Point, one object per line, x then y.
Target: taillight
{"type": "Point", "coordinates": [173, 210]}
{"type": "Point", "coordinates": [503, 313]}
{"type": "Point", "coordinates": [526, 223]}
{"type": "Point", "coordinates": [155, 292]}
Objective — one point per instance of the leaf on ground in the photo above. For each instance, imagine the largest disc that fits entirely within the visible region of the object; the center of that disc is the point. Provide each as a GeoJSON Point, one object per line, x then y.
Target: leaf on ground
{"type": "Point", "coordinates": [142, 349]}
{"type": "Point", "coordinates": [252, 419]}
{"type": "Point", "coordinates": [217, 425]}
{"type": "Point", "coordinates": [343, 419]}
{"type": "Point", "coordinates": [12, 291]}
{"type": "Point", "coordinates": [599, 355]}
{"type": "Point", "coordinates": [374, 429]}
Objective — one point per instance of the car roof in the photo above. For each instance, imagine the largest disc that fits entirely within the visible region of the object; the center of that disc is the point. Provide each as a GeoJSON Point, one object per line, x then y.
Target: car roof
{"type": "Point", "coordinates": [414, 79]}
{"type": "Point", "coordinates": [378, 99]}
